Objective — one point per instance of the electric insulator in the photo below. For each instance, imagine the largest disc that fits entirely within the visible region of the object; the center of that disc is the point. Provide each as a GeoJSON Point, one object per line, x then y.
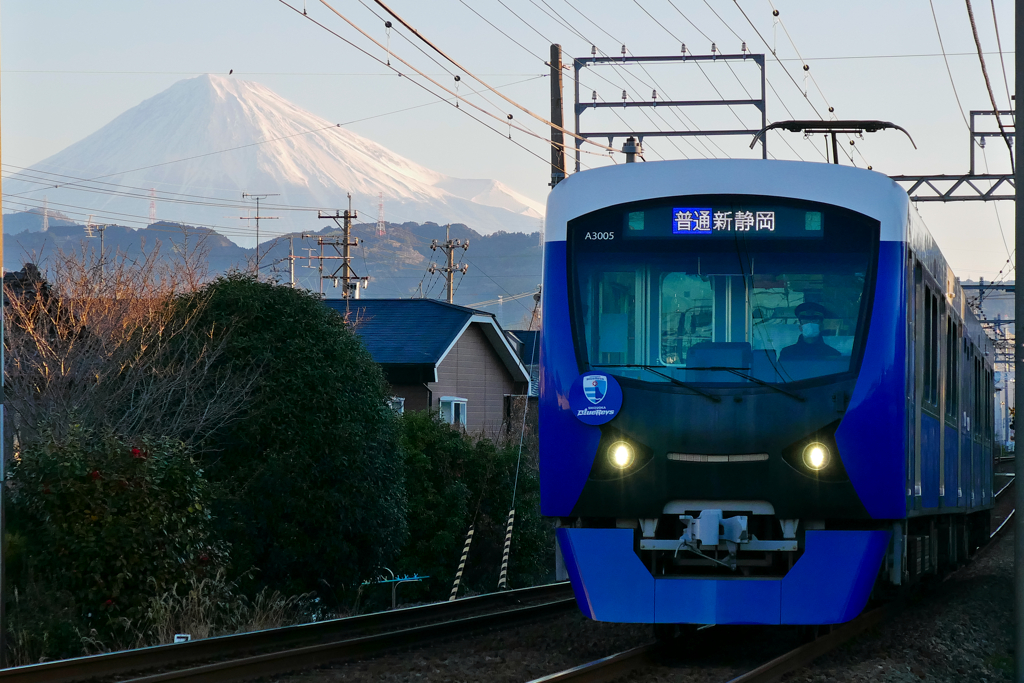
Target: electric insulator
{"type": "Point", "coordinates": [743, 48]}
{"type": "Point", "coordinates": [684, 49]}
{"type": "Point", "coordinates": [831, 109]}
{"type": "Point", "coordinates": [458, 78]}
{"type": "Point", "coordinates": [775, 13]}
{"type": "Point", "coordinates": [593, 50]}
{"type": "Point", "coordinates": [593, 96]}
{"type": "Point", "coordinates": [387, 24]}
{"type": "Point", "coordinates": [654, 94]}
{"type": "Point", "coordinates": [623, 50]}
{"type": "Point", "coordinates": [712, 48]}
{"type": "Point", "coordinates": [623, 95]}
{"type": "Point", "coordinates": [807, 67]}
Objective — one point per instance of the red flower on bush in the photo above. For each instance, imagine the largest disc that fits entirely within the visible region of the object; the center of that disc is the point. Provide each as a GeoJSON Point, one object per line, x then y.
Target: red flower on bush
{"type": "Point", "coordinates": [139, 454]}
{"type": "Point", "coordinates": [108, 603]}
{"type": "Point", "coordinates": [95, 474]}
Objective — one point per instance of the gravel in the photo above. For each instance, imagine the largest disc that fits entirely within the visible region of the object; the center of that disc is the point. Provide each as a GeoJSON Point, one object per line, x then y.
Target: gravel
{"type": "Point", "coordinates": [507, 656]}
{"type": "Point", "coordinates": [961, 631]}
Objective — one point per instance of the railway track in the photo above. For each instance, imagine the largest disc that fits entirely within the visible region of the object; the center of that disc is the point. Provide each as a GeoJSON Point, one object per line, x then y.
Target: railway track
{"type": "Point", "coordinates": [274, 651]}
{"type": "Point", "coordinates": [618, 665]}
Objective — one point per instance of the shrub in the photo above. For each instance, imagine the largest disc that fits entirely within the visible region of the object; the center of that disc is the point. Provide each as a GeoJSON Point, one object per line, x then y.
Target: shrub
{"type": "Point", "coordinates": [109, 523]}
{"type": "Point", "coordinates": [309, 475]}
{"type": "Point", "coordinates": [455, 480]}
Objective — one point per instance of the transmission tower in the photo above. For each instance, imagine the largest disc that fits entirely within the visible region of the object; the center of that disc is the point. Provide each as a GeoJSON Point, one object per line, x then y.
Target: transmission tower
{"type": "Point", "coordinates": [381, 229]}
{"type": "Point", "coordinates": [152, 205]}
{"type": "Point", "coordinates": [46, 214]}
{"type": "Point", "coordinates": [448, 247]}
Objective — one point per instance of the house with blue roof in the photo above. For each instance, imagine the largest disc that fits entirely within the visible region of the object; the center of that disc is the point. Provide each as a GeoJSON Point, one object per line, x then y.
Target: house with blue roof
{"type": "Point", "coordinates": [442, 357]}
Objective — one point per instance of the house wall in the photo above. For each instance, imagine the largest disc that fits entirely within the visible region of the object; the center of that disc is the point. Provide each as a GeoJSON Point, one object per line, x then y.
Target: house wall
{"type": "Point", "coordinates": [416, 396]}
{"type": "Point", "coordinates": [474, 371]}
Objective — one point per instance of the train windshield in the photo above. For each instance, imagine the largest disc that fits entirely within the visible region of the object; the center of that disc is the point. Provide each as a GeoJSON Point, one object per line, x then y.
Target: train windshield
{"type": "Point", "coordinates": [722, 289]}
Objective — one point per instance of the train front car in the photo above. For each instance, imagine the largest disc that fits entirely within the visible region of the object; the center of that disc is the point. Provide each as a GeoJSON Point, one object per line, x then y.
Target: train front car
{"type": "Point", "coordinates": [723, 412]}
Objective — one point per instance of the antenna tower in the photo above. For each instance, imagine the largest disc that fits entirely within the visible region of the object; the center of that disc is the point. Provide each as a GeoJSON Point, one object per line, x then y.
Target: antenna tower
{"type": "Point", "coordinates": [152, 205]}
{"type": "Point", "coordinates": [46, 214]}
{"type": "Point", "coordinates": [381, 229]}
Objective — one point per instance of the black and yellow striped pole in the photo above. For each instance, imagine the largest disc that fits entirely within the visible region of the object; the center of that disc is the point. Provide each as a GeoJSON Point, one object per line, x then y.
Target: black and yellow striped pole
{"type": "Point", "coordinates": [462, 564]}
{"type": "Point", "coordinates": [503, 579]}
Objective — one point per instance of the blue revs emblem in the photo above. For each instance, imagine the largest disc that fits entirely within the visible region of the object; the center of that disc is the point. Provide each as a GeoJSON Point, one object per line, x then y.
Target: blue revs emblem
{"type": "Point", "coordinates": [595, 387]}
{"type": "Point", "coordinates": [595, 399]}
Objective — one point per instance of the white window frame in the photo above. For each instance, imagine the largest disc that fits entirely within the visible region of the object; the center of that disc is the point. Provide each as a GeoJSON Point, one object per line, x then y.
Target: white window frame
{"type": "Point", "coordinates": [447, 408]}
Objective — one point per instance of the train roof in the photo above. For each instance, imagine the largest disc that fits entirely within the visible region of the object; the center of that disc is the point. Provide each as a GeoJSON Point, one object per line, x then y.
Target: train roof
{"type": "Point", "coordinates": [867, 192]}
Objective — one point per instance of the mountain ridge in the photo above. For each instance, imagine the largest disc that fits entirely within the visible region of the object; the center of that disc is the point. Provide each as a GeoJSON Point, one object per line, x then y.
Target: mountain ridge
{"type": "Point", "coordinates": [203, 141]}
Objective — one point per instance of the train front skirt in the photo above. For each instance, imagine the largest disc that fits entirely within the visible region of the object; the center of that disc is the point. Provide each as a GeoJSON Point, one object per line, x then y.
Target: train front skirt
{"type": "Point", "coordinates": [829, 584]}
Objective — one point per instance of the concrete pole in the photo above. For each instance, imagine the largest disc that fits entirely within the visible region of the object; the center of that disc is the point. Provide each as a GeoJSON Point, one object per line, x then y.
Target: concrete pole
{"type": "Point", "coordinates": [1018, 364]}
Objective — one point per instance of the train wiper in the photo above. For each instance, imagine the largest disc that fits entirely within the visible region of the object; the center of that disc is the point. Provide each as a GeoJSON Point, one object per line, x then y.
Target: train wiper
{"type": "Point", "coordinates": [755, 380]}
{"type": "Point", "coordinates": [673, 380]}
{"type": "Point", "coordinates": [681, 383]}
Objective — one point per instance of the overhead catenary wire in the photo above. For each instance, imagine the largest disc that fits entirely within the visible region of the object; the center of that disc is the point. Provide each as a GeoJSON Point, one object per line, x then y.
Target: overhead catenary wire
{"type": "Point", "coordinates": [952, 83]}
{"type": "Point", "coordinates": [469, 73]}
{"type": "Point", "coordinates": [420, 85]}
{"type": "Point", "coordinates": [999, 45]}
{"type": "Point", "coordinates": [988, 84]}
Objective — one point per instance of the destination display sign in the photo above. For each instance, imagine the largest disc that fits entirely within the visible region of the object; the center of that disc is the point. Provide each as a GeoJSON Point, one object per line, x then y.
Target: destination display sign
{"type": "Point", "coordinates": [703, 220]}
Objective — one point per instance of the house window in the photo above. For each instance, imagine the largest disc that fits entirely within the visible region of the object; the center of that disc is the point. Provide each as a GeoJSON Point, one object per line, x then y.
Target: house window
{"type": "Point", "coordinates": [453, 410]}
{"type": "Point", "coordinates": [397, 404]}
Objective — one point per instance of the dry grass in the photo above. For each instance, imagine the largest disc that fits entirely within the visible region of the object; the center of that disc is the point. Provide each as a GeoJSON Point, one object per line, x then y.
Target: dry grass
{"type": "Point", "coordinates": [212, 607]}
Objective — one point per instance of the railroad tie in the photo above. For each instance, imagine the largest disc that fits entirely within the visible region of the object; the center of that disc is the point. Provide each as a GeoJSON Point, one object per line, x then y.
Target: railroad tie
{"type": "Point", "coordinates": [462, 564]}
{"type": "Point", "coordinates": [503, 579]}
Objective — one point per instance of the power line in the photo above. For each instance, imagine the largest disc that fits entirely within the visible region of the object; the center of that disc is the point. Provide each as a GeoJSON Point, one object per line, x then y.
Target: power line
{"type": "Point", "coordinates": [999, 45]}
{"type": "Point", "coordinates": [942, 47]}
{"type": "Point", "coordinates": [468, 72]}
{"type": "Point", "coordinates": [420, 85]}
{"type": "Point", "coordinates": [988, 84]}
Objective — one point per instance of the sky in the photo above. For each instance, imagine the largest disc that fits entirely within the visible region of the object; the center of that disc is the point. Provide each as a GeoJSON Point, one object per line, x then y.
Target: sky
{"type": "Point", "coordinates": [67, 67]}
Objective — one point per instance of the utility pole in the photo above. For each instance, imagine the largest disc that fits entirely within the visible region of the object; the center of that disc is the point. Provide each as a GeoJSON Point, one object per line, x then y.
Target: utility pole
{"type": "Point", "coordinates": [557, 138]}
{"type": "Point", "coordinates": [350, 282]}
{"type": "Point", "coordinates": [3, 461]}
{"type": "Point", "coordinates": [258, 198]}
{"type": "Point", "coordinates": [1018, 366]}
{"type": "Point", "coordinates": [448, 247]}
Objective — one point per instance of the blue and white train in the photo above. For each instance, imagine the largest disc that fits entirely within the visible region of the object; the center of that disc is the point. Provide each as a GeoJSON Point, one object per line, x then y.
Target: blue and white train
{"type": "Point", "coordinates": [763, 394]}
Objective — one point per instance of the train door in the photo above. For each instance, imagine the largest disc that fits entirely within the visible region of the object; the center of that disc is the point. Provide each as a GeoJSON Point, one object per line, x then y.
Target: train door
{"type": "Point", "coordinates": [931, 420]}
{"type": "Point", "coordinates": [950, 434]}
{"type": "Point", "coordinates": [967, 372]}
{"type": "Point", "coordinates": [915, 307]}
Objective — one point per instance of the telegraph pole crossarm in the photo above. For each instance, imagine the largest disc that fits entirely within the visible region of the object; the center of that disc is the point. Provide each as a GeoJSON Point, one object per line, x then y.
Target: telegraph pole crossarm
{"type": "Point", "coordinates": [451, 267]}
{"type": "Point", "coordinates": [258, 197]}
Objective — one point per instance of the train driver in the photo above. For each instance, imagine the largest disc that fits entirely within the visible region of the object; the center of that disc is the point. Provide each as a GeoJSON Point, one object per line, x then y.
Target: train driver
{"type": "Point", "coordinates": [810, 345]}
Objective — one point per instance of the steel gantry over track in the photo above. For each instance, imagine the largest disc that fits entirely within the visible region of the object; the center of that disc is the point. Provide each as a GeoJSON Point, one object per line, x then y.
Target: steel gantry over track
{"type": "Point", "coordinates": [969, 187]}
{"type": "Point", "coordinates": [580, 63]}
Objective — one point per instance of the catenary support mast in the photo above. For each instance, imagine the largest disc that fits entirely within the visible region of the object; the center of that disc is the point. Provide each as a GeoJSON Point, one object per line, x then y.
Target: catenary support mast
{"type": "Point", "coordinates": [1018, 366]}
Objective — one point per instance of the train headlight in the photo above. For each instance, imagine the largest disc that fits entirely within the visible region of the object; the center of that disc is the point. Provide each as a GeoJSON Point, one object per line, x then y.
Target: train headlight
{"type": "Point", "coordinates": [621, 454]}
{"type": "Point", "coordinates": [816, 455]}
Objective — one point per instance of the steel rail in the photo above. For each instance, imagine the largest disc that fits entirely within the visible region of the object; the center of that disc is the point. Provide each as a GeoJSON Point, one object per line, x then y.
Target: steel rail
{"type": "Point", "coordinates": [604, 669]}
{"type": "Point", "coordinates": [312, 656]}
{"type": "Point", "coordinates": [331, 631]}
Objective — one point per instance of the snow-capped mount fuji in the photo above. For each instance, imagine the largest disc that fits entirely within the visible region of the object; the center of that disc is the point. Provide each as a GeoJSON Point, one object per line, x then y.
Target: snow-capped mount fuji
{"type": "Point", "coordinates": [225, 136]}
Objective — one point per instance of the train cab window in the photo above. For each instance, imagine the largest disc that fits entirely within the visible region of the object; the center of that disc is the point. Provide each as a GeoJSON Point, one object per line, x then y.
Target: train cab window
{"type": "Point", "coordinates": [611, 317]}
{"type": "Point", "coordinates": [736, 307]}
